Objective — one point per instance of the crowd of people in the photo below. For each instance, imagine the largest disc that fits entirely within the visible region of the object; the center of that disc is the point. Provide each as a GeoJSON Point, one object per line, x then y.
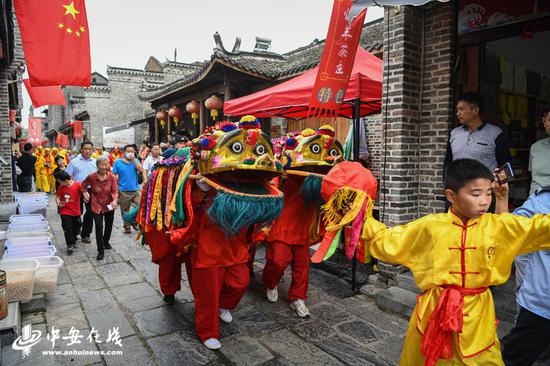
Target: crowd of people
{"type": "Point", "coordinates": [90, 184]}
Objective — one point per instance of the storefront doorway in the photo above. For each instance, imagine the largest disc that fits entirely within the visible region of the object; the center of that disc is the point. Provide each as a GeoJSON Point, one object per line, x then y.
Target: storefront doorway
{"type": "Point", "coordinates": [504, 54]}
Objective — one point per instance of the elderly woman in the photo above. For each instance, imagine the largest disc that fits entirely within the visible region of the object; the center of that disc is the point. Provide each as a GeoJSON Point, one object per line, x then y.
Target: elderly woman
{"type": "Point", "coordinates": [104, 191]}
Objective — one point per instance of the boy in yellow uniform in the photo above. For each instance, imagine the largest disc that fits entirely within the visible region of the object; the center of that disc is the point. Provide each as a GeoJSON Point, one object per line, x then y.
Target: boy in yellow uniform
{"type": "Point", "coordinates": [455, 257]}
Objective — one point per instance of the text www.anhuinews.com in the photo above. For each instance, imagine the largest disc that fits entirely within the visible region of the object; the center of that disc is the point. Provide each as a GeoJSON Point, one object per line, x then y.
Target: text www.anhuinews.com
{"type": "Point", "coordinates": [75, 352]}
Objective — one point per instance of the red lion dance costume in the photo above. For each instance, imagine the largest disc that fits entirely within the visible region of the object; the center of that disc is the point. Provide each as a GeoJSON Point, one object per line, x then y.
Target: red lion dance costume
{"type": "Point", "coordinates": [203, 210]}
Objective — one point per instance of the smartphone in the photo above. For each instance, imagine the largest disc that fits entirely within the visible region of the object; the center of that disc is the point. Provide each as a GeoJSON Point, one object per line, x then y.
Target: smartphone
{"type": "Point", "coordinates": [504, 174]}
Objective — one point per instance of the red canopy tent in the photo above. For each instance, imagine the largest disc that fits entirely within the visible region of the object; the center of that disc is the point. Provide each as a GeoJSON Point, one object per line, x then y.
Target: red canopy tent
{"type": "Point", "coordinates": [290, 99]}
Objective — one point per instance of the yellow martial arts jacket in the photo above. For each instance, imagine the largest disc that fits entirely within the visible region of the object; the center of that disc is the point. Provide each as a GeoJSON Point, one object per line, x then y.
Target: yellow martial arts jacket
{"type": "Point", "coordinates": [440, 250]}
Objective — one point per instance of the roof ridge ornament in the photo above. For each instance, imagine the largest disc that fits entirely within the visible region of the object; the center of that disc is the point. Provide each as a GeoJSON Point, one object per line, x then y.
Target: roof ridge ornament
{"type": "Point", "coordinates": [219, 43]}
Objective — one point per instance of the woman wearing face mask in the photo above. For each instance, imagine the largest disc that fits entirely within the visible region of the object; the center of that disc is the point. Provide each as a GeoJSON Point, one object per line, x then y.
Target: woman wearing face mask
{"type": "Point", "coordinates": [104, 191]}
{"type": "Point", "coordinates": [127, 171]}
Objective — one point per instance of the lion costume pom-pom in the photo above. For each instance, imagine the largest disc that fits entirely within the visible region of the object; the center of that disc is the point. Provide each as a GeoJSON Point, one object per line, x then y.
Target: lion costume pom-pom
{"type": "Point", "coordinates": [349, 191]}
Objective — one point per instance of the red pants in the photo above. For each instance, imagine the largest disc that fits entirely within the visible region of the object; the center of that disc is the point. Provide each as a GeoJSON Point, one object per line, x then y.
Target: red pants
{"type": "Point", "coordinates": [278, 256]}
{"type": "Point", "coordinates": [215, 288]}
{"type": "Point", "coordinates": [170, 272]}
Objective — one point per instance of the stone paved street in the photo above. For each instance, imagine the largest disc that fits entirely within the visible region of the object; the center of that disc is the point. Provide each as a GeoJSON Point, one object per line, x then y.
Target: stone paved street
{"type": "Point", "coordinates": [123, 291]}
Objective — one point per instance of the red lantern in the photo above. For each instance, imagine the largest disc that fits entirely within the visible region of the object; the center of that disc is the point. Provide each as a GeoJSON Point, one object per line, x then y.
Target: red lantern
{"type": "Point", "coordinates": [162, 116]}
{"type": "Point", "coordinates": [213, 104]}
{"type": "Point", "coordinates": [194, 108]}
{"type": "Point", "coordinates": [176, 114]}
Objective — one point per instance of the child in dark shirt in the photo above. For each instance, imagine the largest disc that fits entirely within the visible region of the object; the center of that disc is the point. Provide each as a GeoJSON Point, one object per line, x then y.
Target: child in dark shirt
{"type": "Point", "coordinates": [68, 200]}
{"type": "Point", "coordinates": [60, 163]}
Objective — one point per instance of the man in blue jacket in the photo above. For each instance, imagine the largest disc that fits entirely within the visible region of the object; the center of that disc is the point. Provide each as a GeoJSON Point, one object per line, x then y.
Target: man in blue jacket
{"type": "Point", "coordinates": [531, 335]}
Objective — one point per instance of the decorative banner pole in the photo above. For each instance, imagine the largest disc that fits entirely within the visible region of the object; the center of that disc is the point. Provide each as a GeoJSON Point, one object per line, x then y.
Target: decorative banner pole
{"type": "Point", "coordinates": [344, 33]}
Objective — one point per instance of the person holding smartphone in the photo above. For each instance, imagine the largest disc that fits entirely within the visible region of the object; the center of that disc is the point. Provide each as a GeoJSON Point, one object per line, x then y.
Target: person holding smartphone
{"type": "Point", "coordinates": [104, 191]}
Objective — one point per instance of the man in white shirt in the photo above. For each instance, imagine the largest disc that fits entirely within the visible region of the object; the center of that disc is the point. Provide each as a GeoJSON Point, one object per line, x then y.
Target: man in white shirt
{"type": "Point", "coordinates": [153, 158]}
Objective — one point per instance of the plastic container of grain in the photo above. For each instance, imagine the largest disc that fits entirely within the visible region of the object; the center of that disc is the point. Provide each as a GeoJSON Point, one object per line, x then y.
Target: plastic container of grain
{"type": "Point", "coordinates": [19, 278]}
{"type": "Point", "coordinates": [26, 241]}
{"type": "Point", "coordinates": [27, 217]}
{"type": "Point", "coordinates": [45, 277]}
{"type": "Point", "coordinates": [11, 253]}
{"type": "Point", "coordinates": [28, 227]}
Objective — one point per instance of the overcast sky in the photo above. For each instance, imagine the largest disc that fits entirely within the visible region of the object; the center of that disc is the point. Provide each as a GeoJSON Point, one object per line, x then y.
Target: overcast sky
{"type": "Point", "coordinates": [125, 33]}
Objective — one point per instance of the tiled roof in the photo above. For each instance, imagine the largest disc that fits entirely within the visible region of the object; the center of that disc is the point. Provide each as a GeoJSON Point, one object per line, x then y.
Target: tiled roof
{"type": "Point", "coordinates": [268, 65]}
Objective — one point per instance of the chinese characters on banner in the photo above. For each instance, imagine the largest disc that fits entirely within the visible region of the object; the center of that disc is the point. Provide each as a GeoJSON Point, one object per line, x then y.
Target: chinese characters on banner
{"type": "Point", "coordinates": [77, 129]}
{"type": "Point", "coordinates": [35, 130]}
{"type": "Point", "coordinates": [62, 140]}
{"type": "Point", "coordinates": [344, 33]}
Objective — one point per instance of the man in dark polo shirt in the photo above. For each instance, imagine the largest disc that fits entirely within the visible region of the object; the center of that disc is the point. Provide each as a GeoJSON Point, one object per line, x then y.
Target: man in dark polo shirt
{"type": "Point", "coordinates": [476, 139]}
{"type": "Point", "coordinates": [26, 163]}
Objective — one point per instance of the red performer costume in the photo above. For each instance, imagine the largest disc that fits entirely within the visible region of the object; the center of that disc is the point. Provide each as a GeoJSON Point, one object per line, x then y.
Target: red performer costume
{"type": "Point", "coordinates": [307, 157]}
{"type": "Point", "coordinates": [219, 275]}
{"type": "Point", "coordinates": [288, 241]}
{"type": "Point", "coordinates": [235, 163]}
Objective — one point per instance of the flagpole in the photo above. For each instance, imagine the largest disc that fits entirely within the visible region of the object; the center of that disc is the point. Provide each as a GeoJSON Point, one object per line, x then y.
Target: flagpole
{"type": "Point", "coordinates": [356, 134]}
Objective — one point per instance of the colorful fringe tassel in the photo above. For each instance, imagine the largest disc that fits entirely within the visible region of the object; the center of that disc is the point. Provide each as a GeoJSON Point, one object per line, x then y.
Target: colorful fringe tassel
{"type": "Point", "coordinates": [233, 212]}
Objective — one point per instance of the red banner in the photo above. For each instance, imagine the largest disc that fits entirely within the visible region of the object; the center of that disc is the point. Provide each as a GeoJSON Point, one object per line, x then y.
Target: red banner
{"type": "Point", "coordinates": [35, 130]}
{"type": "Point", "coordinates": [45, 95]}
{"type": "Point", "coordinates": [55, 41]}
{"type": "Point", "coordinates": [13, 114]}
{"type": "Point", "coordinates": [344, 33]}
{"type": "Point", "coordinates": [77, 129]}
{"type": "Point", "coordinates": [62, 140]}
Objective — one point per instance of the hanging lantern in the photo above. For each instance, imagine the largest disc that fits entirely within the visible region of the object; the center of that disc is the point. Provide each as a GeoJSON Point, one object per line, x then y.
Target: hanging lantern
{"type": "Point", "coordinates": [194, 108]}
{"type": "Point", "coordinates": [176, 114]}
{"type": "Point", "coordinates": [162, 116]}
{"type": "Point", "coordinates": [213, 104]}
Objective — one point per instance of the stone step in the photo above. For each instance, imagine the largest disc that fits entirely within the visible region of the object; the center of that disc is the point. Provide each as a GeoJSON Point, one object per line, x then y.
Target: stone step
{"type": "Point", "coordinates": [406, 281]}
{"type": "Point", "coordinates": [396, 300]}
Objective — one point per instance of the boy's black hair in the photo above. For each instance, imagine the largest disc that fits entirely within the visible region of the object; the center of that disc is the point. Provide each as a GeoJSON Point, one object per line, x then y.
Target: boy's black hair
{"type": "Point", "coordinates": [129, 145]}
{"type": "Point", "coordinates": [472, 98]}
{"type": "Point", "coordinates": [27, 147]}
{"type": "Point", "coordinates": [545, 112]}
{"type": "Point", "coordinates": [62, 176]}
{"type": "Point", "coordinates": [86, 143]}
{"type": "Point", "coordinates": [57, 158]}
{"type": "Point", "coordinates": [460, 171]}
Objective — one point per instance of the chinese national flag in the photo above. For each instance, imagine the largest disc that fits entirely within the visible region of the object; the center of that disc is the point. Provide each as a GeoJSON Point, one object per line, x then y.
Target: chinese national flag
{"type": "Point", "coordinates": [344, 33]}
{"type": "Point", "coordinates": [45, 95]}
{"type": "Point", "coordinates": [55, 41]}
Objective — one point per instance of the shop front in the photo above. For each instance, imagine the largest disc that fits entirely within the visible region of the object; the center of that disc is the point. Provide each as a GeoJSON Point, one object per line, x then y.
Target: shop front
{"type": "Point", "coordinates": [504, 56]}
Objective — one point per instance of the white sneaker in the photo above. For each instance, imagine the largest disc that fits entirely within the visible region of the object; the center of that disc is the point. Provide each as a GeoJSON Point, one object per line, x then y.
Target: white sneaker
{"type": "Point", "coordinates": [272, 294]}
{"type": "Point", "coordinates": [300, 308]}
{"type": "Point", "coordinates": [212, 343]}
{"type": "Point", "coordinates": [225, 316]}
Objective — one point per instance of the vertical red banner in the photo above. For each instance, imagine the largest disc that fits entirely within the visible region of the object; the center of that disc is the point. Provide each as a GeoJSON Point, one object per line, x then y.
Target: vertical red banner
{"type": "Point", "coordinates": [77, 129]}
{"type": "Point", "coordinates": [35, 130]}
{"type": "Point", "coordinates": [344, 33]}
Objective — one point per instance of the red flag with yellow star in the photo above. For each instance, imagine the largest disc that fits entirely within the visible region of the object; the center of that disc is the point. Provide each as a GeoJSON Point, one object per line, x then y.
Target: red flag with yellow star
{"type": "Point", "coordinates": [55, 41]}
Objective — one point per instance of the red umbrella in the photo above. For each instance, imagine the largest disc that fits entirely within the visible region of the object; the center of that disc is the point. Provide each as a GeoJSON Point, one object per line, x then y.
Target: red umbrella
{"type": "Point", "coordinates": [290, 99]}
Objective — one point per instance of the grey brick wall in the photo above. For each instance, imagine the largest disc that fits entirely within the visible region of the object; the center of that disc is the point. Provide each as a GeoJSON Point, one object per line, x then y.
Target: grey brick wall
{"type": "Point", "coordinates": [417, 111]}
{"type": "Point", "coordinates": [9, 73]}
